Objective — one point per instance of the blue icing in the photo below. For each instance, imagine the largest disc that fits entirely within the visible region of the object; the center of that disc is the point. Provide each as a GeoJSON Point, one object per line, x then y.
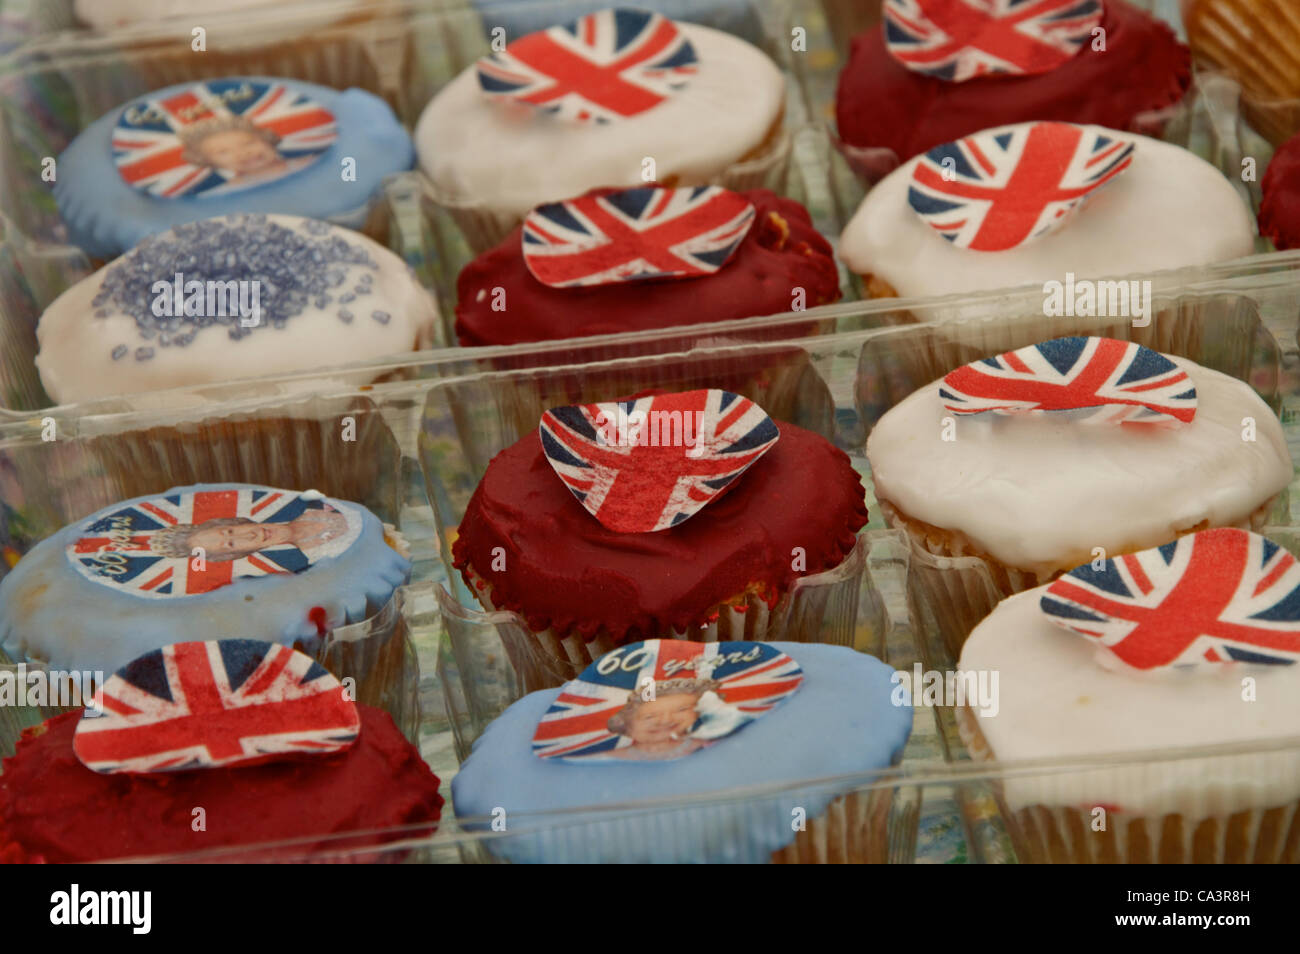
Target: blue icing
{"type": "Point", "coordinates": [293, 268]}
{"type": "Point", "coordinates": [106, 216]}
{"type": "Point", "coordinates": [51, 610]}
{"type": "Point", "coordinates": [739, 17]}
{"type": "Point", "coordinates": [841, 721]}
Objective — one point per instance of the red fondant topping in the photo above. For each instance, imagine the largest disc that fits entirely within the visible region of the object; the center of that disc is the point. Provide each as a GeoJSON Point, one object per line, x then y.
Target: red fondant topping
{"type": "Point", "coordinates": [781, 252]}
{"type": "Point", "coordinates": [54, 809]}
{"type": "Point", "coordinates": [1279, 214]}
{"type": "Point", "coordinates": [882, 104]}
{"type": "Point", "coordinates": [567, 571]}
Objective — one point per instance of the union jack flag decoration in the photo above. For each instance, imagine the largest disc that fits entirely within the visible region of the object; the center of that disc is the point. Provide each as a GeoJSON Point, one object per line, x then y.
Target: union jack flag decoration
{"type": "Point", "coordinates": [957, 40]}
{"type": "Point", "coordinates": [603, 67]}
{"type": "Point", "coordinates": [158, 142]}
{"type": "Point", "coordinates": [1099, 380]}
{"type": "Point", "coordinates": [218, 703]}
{"type": "Point", "coordinates": [1000, 188]}
{"type": "Point", "coordinates": [635, 234]}
{"type": "Point", "coordinates": [650, 463]}
{"type": "Point", "coordinates": [708, 690]}
{"type": "Point", "coordinates": [1217, 596]}
{"type": "Point", "coordinates": [145, 547]}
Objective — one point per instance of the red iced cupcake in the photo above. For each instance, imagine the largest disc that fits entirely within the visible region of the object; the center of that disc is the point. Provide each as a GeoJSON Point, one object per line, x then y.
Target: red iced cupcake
{"type": "Point", "coordinates": [257, 736]}
{"type": "Point", "coordinates": [938, 70]}
{"type": "Point", "coordinates": [598, 531]}
{"type": "Point", "coordinates": [1279, 211]}
{"type": "Point", "coordinates": [636, 259]}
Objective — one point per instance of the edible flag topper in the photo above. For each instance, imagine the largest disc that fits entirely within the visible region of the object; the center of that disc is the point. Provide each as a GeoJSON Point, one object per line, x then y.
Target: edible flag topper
{"type": "Point", "coordinates": [217, 703]}
{"type": "Point", "coordinates": [193, 542]}
{"type": "Point", "coordinates": [603, 67]}
{"type": "Point", "coordinates": [1001, 188]}
{"type": "Point", "coordinates": [218, 137]}
{"type": "Point", "coordinates": [635, 234]}
{"type": "Point", "coordinates": [957, 40]}
{"type": "Point", "coordinates": [1097, 380]}
{"type": "Point", "coordinates": [664, 699]}
{"type": "Point", "coordinates": [1217, 596]}
{"type": "Point", "coordinates": [650, 463]}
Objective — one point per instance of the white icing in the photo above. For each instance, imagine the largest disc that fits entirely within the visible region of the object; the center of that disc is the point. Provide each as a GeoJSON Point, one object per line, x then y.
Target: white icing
{"type": "Point", "coordinates": [75, 346]}
{"type": "Point", "coordinates": [1039, 493]}
{"type": "Point", "coordinates": [285, 20]}
{"type": "Point", "coordinates": [512, 158]}
{"type": "Point", "coordinates": [1167, 210]}
{"type": "Point", "coordinates": [1055, 702]}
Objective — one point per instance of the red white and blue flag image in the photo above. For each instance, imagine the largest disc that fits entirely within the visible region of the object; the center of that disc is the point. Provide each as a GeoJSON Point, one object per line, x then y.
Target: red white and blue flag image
{"type": "Point", "coordinates": [601, 68]}
{"type": "Point", "coordinates": [650, 463]}
{"type": "Point", "coordinates": [125, 547]}
{"type": "Point", "coordinates": [1217, 596]}
{"type": "Point", "coordinates": [1098, 380]}
{"type": "Point", "coordinates": [733, 683]}
{"type": "Point", "coordinates": [634, 235]}
{"type": "Point", "coordinates": [217, 703]}
{"type": "Point", "coordinates": [958, 40]}
{"type": "Point", "coordinates": [1000, 188]}
{"type": "Point", "coordinates": [157, 142]}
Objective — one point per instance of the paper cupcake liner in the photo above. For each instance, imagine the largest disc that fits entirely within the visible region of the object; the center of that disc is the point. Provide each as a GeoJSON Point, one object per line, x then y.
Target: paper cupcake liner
{"type": "Point", "coordinates": [821, 608]}
{"type": "Point", "coordinates": [854, 830]}
{"type": "Point", "coordinates": [1258, 43]}
{"type": "Point", "coordinates": [481, 227]}
{"type": "Point", "coordinates": [960, 584]}
{"type": "Point", "coordinates": [1056, 834]}
{"type": "Point", "coordinates": [845, 19]}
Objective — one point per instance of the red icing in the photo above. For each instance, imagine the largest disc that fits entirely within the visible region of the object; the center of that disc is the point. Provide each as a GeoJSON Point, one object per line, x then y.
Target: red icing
{"type": "Point", "coordinates": [54, 809]}
{"type": "Point", "coordinates": [1279, 214]}
{"type": "Point", "coordinates": [781, 251]}
{"type": "Point", "coordinates": [563, 569]}
{"type": "Point", "coordinates": [882, 104]}
{"type": "Point", "coordinates": [318, 618]}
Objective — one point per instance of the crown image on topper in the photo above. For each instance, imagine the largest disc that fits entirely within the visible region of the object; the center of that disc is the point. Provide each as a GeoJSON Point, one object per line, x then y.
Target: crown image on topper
{"type": "Point", "coordinates": [650, 463]}
{"type": "Point", "coordinates": [606, 237]}
{"type": "Point", "coordinates": [218, 137]}
{"type": "Point", "coordinates": [1001, 188]}
{"type": "Point", "coordinates": [215, 704]}
{"type": "Point", "coordinates": [1093, 380]}
{"type": "Point", "coordinates": [601, 68]}
{"type": "Point", "coordinates": [1209, 598]}
{"type": "Point", "coordinates": [664, 699]}
{"type": "Point", "coordinates": [958, 40]}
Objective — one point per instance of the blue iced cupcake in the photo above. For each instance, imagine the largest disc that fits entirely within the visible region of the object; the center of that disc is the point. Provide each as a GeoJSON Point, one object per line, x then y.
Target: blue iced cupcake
{"type": "Point", "coordinates": [673, 722]}
{"type": "Point", "coordinates": [221, 146]}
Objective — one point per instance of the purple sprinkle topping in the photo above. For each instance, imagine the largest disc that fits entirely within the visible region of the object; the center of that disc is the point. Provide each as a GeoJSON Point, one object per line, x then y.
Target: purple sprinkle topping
{"type": "Point", "coordinates": [295, 269]}
{"type": "Point", "coordinates": [101, 313]}
{"type": "Point", "coordinates": [347, 297]}
{"type": "Point", "coordinates": [382, 317]}
{"type": "Point", "coordinates": [345, 315]}
{"type": "Point", "coordinates": [120, 352]}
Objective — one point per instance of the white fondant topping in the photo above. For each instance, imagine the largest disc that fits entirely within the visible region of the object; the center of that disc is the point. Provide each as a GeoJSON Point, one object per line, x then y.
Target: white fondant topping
{"type": "Point", "coordinates": [512, 158]}
{"type": "Point", "coordinates": [285, 20]}
{"type": "Point", "coordinates": [1055, 702]}
{"type": "Point", "coordinates": [76, 345]}
{"type": "Point", "coordinates": [1039, 493]}
{"type": "Point", "coordinates": [1169, 209]}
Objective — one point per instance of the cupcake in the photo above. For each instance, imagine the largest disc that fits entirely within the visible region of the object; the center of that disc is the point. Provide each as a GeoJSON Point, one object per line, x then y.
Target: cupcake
{"type": "Point", "coordinates": [638, 259]}
{"type": "Point", "coordinates": [689, 516]}
{"type": "Point", "coordinates": [241, 296]}
{"type": "Point", "coordinates": [618, 98]}
{"type": "Point", "coordinates": [229, 744]}
{"type": "Point", "coordinates": [1189, 645]}
{"type": "Point", "coordinates": [667, 723]}
{"type": "Point", "coordinates": [934, 72]}
{"type": "Point", "coordinates": [739, 17]}
{"type": "Point", "coordinates": [1037, 201]}
{"type": "Point", "coordinates": [1257, 42]}
{"type": "Point", "coordinates": [1281, 197]}
{"type": "Point", "coordinates": [205, 560]}
{"type": "Point", "coordinates": [236, 144]}
{"type": "Point", "coordinates": [331, 43]}
{"type": "Point", "coordinates": [1044, 458]}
